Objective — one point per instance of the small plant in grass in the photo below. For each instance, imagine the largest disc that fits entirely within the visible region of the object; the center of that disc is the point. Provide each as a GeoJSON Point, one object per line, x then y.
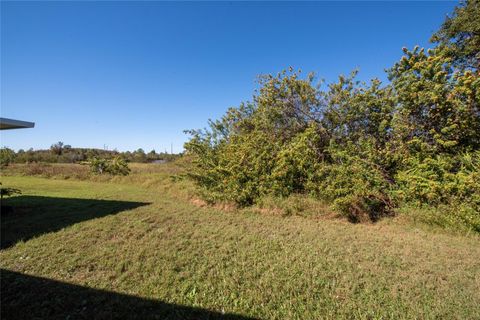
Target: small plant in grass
{"type": "Point", "coordinates": [115, 166]}
{"type": "Point", "coordinates": [7, 192]}
{"type": "Point", "coordinates": [118, 166]}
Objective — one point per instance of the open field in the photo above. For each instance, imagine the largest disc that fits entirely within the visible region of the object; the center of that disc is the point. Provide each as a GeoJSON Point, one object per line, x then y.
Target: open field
{"type": "Point", "coordinates": [135, 246]}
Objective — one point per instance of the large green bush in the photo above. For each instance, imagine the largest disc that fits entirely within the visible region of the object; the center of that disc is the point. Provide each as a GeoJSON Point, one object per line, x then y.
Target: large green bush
{"type": "Point", "coordinates": [364, 147]}
{"type": "Point", "coordinates": [439, 179]}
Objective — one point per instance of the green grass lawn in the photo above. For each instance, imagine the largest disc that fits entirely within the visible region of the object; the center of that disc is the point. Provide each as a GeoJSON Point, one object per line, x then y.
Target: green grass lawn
{"type": "Point", "coordinates": [136, 248]}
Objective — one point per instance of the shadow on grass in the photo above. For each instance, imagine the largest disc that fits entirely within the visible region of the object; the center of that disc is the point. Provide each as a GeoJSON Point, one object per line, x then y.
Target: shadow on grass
{"type": "Point", "coordinates": [28, 297]}
{"type": "Point", "coordinates": [25, 217]}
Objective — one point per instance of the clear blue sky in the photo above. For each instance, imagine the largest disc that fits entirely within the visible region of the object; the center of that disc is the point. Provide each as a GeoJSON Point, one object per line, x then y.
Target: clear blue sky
{"type": "Point", "coordinates": [135, 75]}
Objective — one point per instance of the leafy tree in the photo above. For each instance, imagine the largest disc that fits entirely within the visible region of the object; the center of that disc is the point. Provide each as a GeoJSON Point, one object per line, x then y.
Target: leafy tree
{"type": "Point", "coordinates": [7, 156]}
{"type": "Point", "coordinates": [57, 148]}
{"type": "Point", "coordinates": [460, 35]}
{"type": "Point", "coordinates": [139, 156]}
{"type": "Point", "coordinates": [438, 108]}
{"type": "Point", "coordinates": [354, 110]}
{"type": "Point", "coordinates": [234, 159]}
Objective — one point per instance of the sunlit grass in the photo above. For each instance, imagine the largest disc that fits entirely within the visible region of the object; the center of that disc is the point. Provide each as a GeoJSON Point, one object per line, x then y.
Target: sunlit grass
{"type": "Point", "coordinates": [272, 266]}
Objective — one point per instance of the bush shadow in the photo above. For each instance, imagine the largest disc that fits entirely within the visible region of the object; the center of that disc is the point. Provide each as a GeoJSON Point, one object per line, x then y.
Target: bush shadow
{"type": "Point", "coordinates": [25, 217]}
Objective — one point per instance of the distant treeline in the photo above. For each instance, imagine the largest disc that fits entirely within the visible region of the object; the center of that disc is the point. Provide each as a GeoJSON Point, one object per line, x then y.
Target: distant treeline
{"type": "Point", "coordinates": [64, 153]}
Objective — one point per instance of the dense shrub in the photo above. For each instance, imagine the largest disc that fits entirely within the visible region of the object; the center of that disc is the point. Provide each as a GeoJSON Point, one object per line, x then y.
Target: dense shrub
{"type": "Point", "coordinates": [296, 165]}
{"type": "Point", "coordinates": [296, 139]}
{"type": "Point", "coordinates": [7, 156]}
{"type": "Point", "coordinates": [438, 107]}
{"type": "Point", "coordinates": [364, 147]}
{"type": "Point", "coordinates": [115, 166]}
{"type": "Point", "coordinates": [439, 179]}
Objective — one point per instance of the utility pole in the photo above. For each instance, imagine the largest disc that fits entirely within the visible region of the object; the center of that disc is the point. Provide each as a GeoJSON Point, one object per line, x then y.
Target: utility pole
{"type": "Point", "coordinates": [171, 148]}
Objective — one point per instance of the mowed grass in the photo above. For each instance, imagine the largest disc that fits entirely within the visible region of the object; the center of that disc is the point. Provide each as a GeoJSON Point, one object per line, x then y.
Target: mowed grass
{"type": "Point", "coordinates": [136, 247]}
